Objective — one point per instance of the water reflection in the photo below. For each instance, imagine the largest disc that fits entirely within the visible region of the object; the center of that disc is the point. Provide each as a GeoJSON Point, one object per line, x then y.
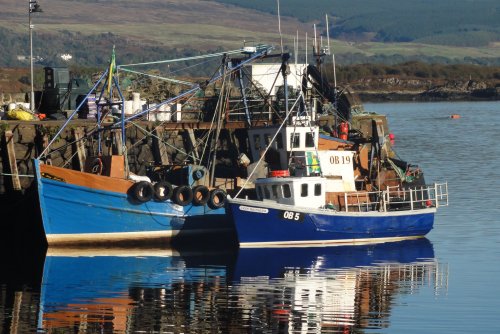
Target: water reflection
{"type": "Point", "coordinates": [335, 289]}
{"type": "Point", "coordinates": [299, 290]}
{"type": "Point", "coordinates": [130, 290]}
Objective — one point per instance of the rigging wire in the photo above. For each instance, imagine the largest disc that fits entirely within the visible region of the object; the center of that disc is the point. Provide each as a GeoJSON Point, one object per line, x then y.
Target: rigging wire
{"type": "Point", "coordinates": [218, 54]}
{"type": "Point", "coordinates": [159, 77]}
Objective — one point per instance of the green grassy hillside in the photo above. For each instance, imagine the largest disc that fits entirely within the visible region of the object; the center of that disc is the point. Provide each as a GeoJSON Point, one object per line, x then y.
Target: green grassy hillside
{"type": "Point", "coordinates": [145, 30]}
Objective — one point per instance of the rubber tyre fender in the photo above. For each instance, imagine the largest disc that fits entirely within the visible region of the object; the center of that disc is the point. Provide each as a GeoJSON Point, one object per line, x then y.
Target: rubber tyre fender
{"type": "Point", "coordinates": [163, 191]}
{"type": "Point", "coordinates": [143, 191]}
{"type": "Point", "coordinates": [183, 195]}
{"type": "Point", "coordinates": [217, 199]}
{"type": "Point", "coordinates": [201, 195]}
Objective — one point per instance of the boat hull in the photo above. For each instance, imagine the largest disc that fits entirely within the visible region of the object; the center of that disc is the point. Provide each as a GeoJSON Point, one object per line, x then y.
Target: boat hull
{"type": "Point", "coordinates": [261, 224]}
{"type": "Point", "coordinates": [82, 208]}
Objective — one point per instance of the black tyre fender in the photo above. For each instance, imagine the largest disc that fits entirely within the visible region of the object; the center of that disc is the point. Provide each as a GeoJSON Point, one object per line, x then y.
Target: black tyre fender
{"type": "Point", "coordinates": [183, 195]}
{"type": "Point", "coordinates": [163, 191]}
{"type": "Point", "coordinates": [217, 199]}
{"type": "Point", "coordinates": [201, 194]}
{"type": "Point", "coordinates": [142, 191]}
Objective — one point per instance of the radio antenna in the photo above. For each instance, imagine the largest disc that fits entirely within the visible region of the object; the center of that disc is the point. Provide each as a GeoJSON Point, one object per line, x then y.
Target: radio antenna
{"type": "Point", "coordinates": [279, 26]}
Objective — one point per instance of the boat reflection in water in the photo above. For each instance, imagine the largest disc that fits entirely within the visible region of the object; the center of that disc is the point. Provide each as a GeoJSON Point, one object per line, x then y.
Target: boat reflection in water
{"type": "Point", "coordinates": [331, 289]}
{"type": "Point", "coordinates": [128, 290]}
{"type": "Point", "coordinates": [257, 290]}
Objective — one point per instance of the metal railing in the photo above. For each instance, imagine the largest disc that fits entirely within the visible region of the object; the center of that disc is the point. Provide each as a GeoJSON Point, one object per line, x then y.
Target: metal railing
{"type": "Point", "coordinates": [396, 198]}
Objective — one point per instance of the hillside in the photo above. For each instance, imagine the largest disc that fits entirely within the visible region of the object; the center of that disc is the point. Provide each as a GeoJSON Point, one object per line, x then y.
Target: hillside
{"type": "Point", "coordinates": [161, 29]}
{"type": "Point", "coordinates": [441, 22]}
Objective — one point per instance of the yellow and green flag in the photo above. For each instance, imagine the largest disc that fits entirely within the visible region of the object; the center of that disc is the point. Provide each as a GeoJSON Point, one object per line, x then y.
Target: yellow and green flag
{"type": "Point", "coordinates": [112, 70]}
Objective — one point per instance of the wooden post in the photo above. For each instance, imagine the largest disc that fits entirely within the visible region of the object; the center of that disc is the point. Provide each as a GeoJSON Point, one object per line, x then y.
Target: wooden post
{"type": "Point", "coordinates": [162, 148]}
{"type": "Point", "coordinates": [80, 147]}
{"type": "Point", "coordinates": [11, 153]}
{"type": "Point", "coordinates": [117, 134]}
{"type": "Point", "coordinates": [46, 141]}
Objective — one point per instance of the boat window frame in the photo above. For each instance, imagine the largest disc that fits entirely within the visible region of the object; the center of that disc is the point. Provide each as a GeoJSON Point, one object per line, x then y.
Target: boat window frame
{"type": "Point", "coordinates": [267, 138]}
{"type": "Point", "coordinates": [286, 190]}
{"type": "Point", "coordinates": [256, 141]}
{"type": "Point", "coordinates": [295, 140]}
{"type": "Point", "coordinates": [279, 141]}
{"type": "Point", "coordinates": [274, 191]}
{"type": "Point", "coordinates": [317, 189]}
{"type": "Point", "coordinates": [309, 142]}
{"type": "Point", "coordinates": [260, 192]}
{"type": "Point", "coordinates": [267, 193]}
{"type": "Point", "coordinates": [304, 190]}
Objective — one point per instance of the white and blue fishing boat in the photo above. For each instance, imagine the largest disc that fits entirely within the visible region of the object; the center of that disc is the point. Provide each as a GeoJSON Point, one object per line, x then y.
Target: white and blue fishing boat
{"type": "Point", "coordinates": [333, 176]}
{"type": "Point", "coordinates": [297, 211]}
{"type": "Point", "coordinates": [102, 202]}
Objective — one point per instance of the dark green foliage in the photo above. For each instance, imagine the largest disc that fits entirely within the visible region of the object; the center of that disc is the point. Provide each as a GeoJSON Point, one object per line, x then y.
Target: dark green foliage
{"type": "Point", "coordinates": [448, 22]}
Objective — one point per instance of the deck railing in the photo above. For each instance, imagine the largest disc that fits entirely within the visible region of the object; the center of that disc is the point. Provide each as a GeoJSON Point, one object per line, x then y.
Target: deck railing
{"type": "Point", "coordinates": [396, 198]}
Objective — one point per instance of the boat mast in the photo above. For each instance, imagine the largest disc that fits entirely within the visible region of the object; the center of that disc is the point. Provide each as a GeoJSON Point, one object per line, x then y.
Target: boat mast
{"type": "Point", "coordinates": [219, 109]}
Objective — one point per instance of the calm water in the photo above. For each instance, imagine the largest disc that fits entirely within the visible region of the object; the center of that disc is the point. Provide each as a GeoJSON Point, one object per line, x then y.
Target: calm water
{"type": "Point", "coordinates": [447, 283]}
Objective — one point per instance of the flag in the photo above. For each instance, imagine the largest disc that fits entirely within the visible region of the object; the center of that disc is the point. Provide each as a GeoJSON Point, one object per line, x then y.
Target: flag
{"type": "Point", "coordinates": [112, 70]}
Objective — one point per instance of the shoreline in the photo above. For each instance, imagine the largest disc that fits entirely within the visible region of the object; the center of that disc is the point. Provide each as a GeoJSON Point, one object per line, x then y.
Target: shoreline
{"type": "Point", "coordinates": [419, 97]}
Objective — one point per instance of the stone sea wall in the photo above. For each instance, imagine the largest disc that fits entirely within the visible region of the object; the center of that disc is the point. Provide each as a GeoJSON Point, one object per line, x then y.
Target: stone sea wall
{"type": "Point", "coordinates": [23, 141]}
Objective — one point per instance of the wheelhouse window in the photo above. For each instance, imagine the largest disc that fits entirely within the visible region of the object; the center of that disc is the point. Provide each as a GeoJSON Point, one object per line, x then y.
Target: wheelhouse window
{"type": "Point", "coordinates": [267, 194]}
{"type": "Point", "coordinates": [295, 140]}
{"type": "Point", "coordinates": [303, 190]}
{"type": "Point", "coordinates": [317, 189]}
{"type": "Point", "coordinates": [274, 188]}
{"type": "Point", "coordinates": [267, 138]}
{"type": "Point", "coordinates": [310, 139]}
{"type": "Point", "coordinates": [256, 142]}
{"type": "Point", "coordinates": [286, 191]}
{"type": "Point", "coordinates": [259, 192]}
{"type": "Point", "coordinates": [279, 141]}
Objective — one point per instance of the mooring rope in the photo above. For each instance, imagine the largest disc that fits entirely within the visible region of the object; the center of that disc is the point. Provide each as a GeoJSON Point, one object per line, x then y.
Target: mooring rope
{"type": "Point", "coordinates": [20, 175]}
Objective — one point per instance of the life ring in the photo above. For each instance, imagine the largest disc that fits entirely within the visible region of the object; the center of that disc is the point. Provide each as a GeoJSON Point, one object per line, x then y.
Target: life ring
{"type": "Point", "coordinates": [182, 195]}
{"type": "Point", "coordinates": [201, 194]}
{"type": "Point", "coordinates": [217, 199]}
{"type": "Point", "coordinates": [163, 191]}
{"type": "Point", "coordinates": [142, 191]}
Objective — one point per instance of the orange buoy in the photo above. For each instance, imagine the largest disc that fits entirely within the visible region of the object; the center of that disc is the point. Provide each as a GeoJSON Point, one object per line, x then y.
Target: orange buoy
{"type": "Point", "coordinates": [455, 116]}
{"type": "Point", "coordinates": [344, 130]}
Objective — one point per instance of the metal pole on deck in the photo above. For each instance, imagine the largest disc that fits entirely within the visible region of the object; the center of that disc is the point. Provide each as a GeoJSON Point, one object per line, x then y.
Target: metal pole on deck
{"type": "Point", "coordinates": [33, 7]}
{"type": "Point", "coordinates": [284, 71]}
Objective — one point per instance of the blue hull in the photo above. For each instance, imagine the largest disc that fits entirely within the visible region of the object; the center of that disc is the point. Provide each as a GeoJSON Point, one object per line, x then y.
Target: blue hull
{"type": "Point", "coordinates": [260, 225]}
{"type": "Point", "coordinates": [76, 214]}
